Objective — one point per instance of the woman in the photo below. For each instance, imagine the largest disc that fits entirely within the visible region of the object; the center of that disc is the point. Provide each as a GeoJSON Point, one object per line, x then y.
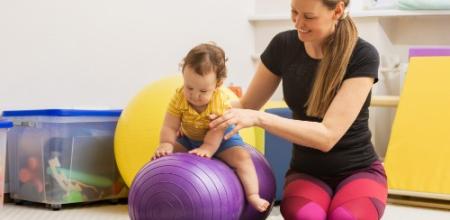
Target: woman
{"type": "Point", "coordinates": [327, 74]}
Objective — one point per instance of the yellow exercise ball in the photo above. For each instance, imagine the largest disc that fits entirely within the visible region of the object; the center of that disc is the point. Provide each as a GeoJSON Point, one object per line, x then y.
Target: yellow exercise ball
{"type": "Point", "coordinates": [138, 128]}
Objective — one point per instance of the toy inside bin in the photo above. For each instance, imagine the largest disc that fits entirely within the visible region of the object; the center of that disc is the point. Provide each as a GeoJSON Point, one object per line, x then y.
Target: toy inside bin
{"type": "Point", "coordinates": [4, 126]}
{"type": "Point", "coordinates": [60, 156]}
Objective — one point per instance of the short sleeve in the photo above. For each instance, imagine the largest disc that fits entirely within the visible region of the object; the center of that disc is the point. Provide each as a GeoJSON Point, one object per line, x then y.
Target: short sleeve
{"type": "Point", "coordinates": [272, 55]}
{"type": "Point", "coordinates": [364, 61]}
{"type": "Point", "coordinates": [175, 103]}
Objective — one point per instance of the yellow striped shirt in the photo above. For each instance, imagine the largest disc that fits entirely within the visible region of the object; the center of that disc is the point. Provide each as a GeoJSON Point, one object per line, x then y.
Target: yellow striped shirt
{"type": "Point", "coordinates": [193, 124]}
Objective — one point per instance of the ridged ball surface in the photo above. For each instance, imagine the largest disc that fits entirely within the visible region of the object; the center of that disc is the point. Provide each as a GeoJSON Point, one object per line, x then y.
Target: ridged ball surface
{"type": "Point", "coordinates": [185, 186]}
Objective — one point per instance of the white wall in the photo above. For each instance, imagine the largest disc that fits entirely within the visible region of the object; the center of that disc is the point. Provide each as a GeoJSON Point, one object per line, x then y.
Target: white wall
{"type": "Point", "coordinates": [272, 6]}
{"type": "Point", "coordinates": [100, 53]}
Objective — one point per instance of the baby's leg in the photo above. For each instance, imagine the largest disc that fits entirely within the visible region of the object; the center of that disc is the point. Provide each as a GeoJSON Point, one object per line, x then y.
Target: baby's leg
{"type": "Point", "coordinates": [240, 160]}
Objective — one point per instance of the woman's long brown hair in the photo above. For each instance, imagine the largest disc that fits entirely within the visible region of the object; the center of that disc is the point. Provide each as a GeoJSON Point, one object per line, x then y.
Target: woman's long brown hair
{"type": "Point", "coordinates": [337, 51]}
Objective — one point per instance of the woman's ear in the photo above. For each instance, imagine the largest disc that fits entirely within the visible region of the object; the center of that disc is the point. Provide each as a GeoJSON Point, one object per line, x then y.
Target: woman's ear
{"type": "Point", "coordinates": [339, 10]}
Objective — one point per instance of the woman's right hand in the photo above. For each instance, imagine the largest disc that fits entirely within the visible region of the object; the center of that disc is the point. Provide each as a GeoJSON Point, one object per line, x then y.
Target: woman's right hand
{"type": "Point", "coordinates": [164, 149]}
{"type": "Point", "coordinates": [239, 118]}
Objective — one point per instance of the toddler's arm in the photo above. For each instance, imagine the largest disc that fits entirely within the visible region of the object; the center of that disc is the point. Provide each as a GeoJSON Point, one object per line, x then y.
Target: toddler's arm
{"type": "Point", "coordinates": [168, 135]}
{"type": "Point", "coordinates": [210, 144]}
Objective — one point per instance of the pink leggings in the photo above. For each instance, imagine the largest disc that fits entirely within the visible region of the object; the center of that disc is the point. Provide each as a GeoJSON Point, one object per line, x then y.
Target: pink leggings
{"type": "Point", "coordinates": [360, 196]}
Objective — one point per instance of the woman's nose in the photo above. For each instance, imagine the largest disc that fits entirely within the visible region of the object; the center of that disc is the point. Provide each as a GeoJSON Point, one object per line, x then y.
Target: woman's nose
{"type": "Point", "coordinates": [298, 22]}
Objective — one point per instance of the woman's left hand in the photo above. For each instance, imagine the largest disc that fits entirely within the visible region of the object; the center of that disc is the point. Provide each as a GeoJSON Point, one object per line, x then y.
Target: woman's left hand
{"type": "Point", "coordinates": [240, 118]}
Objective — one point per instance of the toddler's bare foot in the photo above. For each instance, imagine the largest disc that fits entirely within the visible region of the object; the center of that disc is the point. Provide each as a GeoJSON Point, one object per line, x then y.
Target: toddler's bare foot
{"type": "Point", "coordinates": [257, 202]}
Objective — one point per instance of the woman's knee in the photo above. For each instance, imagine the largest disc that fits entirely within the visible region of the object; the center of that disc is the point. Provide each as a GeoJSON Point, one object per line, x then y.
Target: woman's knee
{"type": "Point", "coordinates": [361, 208]}
{"type": "Point", "coordinates": [298, 208]}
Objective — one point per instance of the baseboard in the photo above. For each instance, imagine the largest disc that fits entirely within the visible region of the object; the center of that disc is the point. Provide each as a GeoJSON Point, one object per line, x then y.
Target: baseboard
{"type": "Point", "coordinates": [419, 202]}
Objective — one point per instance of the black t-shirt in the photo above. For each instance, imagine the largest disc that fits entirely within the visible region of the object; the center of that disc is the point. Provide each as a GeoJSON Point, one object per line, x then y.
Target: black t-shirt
{"type": "Point", "coordinates": [286, 57]}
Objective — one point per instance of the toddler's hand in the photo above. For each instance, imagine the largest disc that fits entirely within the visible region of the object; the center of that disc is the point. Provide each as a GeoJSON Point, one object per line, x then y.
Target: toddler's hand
{"type": "Point", "coordinates": [202, 152]}
{"type": "Point", "coordinates": [163, 150]}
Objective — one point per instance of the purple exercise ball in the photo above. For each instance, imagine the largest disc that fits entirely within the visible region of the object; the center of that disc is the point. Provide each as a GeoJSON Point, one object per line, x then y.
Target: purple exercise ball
{"type": "Point", "coordinates": [186, 186]}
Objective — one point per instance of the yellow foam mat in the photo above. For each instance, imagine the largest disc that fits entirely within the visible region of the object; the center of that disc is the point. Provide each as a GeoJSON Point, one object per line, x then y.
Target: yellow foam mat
{"type": "Point", "coordinates": [418, 154]}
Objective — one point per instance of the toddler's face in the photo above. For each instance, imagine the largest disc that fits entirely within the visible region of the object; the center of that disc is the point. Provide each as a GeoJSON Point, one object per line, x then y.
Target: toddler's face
{"type": "Point", "coordinates": [198, 89]}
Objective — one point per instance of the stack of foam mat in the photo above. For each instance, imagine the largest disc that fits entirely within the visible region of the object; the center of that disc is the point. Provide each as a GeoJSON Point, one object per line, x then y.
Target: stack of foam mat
{"type": "Point", "coordinates": [417, 159]}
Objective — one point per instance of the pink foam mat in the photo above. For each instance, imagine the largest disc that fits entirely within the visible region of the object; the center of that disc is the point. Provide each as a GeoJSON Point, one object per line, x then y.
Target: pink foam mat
{"type": "Point", "coordinates": [429, 52]}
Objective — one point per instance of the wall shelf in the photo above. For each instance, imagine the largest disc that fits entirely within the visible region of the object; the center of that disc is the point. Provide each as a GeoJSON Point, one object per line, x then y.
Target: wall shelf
{"type": "Point", "coordinates": [359, 14]}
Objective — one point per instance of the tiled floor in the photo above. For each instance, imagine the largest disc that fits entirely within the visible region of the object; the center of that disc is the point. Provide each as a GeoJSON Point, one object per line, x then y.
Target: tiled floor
{"type": "Point", "coordinates": [120, 212]}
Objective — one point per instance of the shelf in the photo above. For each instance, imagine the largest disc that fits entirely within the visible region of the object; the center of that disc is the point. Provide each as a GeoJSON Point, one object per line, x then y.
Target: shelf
{"type": "Point", "coordinates": [359, 14]}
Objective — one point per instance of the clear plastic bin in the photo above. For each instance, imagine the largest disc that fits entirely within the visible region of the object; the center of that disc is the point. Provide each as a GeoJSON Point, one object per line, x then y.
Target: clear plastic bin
{"type": "Point", "coordinates": [61, 156]}
{"type": "Point", "coordinates": [4, 126]}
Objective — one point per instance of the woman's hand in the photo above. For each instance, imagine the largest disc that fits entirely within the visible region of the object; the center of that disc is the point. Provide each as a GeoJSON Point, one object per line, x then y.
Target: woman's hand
{"type": "Point", "coordinates": [239, 118]}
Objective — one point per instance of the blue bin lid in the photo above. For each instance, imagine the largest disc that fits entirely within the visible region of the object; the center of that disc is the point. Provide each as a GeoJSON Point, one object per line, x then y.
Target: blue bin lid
{"type": "Point", "coordinates": [5, 124]}
{"type": "Point", "coordinates": [63, 113]}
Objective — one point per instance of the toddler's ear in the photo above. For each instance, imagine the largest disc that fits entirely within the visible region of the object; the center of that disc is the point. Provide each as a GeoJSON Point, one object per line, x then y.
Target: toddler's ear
{"type": "Point", "coordinates": [219, 83]}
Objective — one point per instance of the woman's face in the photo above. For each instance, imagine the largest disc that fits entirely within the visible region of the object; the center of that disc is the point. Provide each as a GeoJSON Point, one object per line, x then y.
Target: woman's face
{"type": "Point", "coordinates": [313, 20]}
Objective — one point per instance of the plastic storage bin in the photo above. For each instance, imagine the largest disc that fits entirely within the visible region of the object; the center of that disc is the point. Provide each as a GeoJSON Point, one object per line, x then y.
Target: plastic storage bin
{"type": "Point", "coordinates": [61, 156]}
{"type": "Point", "coordinates": [4, 125]}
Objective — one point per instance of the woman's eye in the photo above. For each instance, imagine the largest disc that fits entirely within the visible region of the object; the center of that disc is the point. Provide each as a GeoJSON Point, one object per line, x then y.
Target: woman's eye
{"type": "Point", "coordinates": [203, 91]}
